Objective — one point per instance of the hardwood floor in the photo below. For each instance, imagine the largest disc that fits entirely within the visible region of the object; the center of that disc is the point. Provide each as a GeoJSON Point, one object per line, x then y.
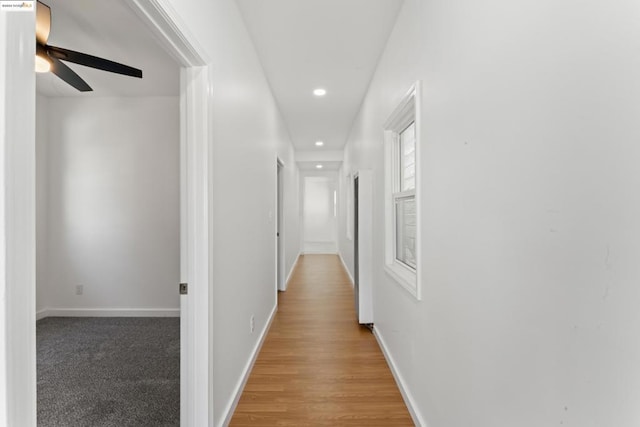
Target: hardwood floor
{"type": "Point", "coordinates": [317, 365]}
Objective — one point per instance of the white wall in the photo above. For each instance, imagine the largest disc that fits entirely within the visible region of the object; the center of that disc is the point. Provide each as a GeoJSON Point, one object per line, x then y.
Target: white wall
{"type": "Point", "coordinates": [108, 204]}
{"type": "Point", "coordinates": [247, 135]}
{"type": "Point", "coordinates": [42, 208]}
{"type": "Point", "coordinates": [319, 221]}
{"type": "Point", "coordinates": [529, 314]}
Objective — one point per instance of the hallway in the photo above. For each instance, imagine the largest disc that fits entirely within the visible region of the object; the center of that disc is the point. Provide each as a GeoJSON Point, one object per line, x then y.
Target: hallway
{"type": "Point", "coordinates": [317, 365]}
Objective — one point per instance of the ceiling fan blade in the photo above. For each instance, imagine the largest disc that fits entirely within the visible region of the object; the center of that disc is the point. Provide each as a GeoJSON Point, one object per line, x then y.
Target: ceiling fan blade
{"type": "Point", "coordinates": [68, 75]}
{"type": "Point", "coordinates": [43, 22]}
{"type": "Point", "coordinates": [92, 61]}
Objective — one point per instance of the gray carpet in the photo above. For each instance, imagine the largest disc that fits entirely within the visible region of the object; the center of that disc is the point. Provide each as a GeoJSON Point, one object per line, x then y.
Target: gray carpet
{"type": "Point", "coordinates": [103, 372]}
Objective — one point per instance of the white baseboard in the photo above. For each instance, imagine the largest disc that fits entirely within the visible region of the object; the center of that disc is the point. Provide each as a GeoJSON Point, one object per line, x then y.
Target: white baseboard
{"type": "Point", "coordinates": [344, 264]}
{"type": "Point", "coordinates": [293, 267]}
{"type": "Point", "coordinates": [406, 394]}
{"type": "Point", "coordinates": [108, 312]}
{"type": "Point", "coordinates": [231, 407]}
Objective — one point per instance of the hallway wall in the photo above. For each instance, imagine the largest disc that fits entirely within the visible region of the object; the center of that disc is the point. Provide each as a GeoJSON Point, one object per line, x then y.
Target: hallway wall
{"type": "Point", "coordinates": [247, 133]}
{"type": "Point", "coordinates": [108, 205]}
{"type": "Point", "coordinates": [530, 212]}
{"type": "Point", "coordinates": [319, 227]}
{"type": "Point", "coordinates": [42, 208]}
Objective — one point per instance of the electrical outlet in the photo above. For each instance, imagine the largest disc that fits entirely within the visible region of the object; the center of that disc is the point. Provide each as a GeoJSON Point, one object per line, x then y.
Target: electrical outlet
{"type": "Point", "coordinates": [252, 323]}
{"type": "Point", "coordinates": [79, 289]}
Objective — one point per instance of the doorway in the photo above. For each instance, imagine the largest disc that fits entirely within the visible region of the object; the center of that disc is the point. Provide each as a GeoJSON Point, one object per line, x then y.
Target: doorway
{"type": "Point", "coordinates": [17, 348]}
{"type": "Point", "coordinates": [108, 264]}
{"type": "Point", "coordinates": [108, 245]}
{"type": "Point", "coordinates": [320, 215]}
{"type": "Point", "coordinates": [356, 246]}
{"type": "Point", "coordinates": [362, 245]}
{"type": "Point", "coordinates": [280, 273]}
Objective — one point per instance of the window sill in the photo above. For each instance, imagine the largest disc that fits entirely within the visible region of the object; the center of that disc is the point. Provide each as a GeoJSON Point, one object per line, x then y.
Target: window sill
{"type": "Point", "coordinates": [403, 276]}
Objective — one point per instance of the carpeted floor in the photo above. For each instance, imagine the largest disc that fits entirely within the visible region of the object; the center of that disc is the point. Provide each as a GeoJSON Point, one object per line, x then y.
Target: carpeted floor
{"type": "Point", "coordinates": [103, 372]}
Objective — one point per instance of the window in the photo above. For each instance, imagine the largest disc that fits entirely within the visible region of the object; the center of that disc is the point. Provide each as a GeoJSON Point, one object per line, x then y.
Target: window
{"type": "Point", "coordinates": [402, 171]}
{"type": "Point", "coordinates": [404, 197]}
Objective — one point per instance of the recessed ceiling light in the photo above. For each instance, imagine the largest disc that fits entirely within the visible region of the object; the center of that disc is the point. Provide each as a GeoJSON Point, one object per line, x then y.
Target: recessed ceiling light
{"type": "Point", "coordinates": [320, 92]}
{"type": "Point", "coordinates": [318, 166]}
{"type": "Point", "coordinates": [319, 143]}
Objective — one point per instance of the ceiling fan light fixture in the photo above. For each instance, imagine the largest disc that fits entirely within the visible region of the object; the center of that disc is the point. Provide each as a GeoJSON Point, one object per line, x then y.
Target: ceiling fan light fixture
{"type": "Point", "coordinates": [50, 58]}
{"type": "Point", "coordinates": [43, 65]}
{"type": "Point", "coordinates": [320, 92]}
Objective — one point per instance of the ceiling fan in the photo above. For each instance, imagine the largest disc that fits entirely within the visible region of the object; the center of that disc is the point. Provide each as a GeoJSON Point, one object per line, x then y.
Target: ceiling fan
{"type": "Point", "coordinates": [49, 58]}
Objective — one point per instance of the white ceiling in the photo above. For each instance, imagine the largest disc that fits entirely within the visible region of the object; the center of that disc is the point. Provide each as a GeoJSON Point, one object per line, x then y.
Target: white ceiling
{"type": "Point", "coordinates": [326, 166]}
{"type": "Point", "coordinates": [302, 44]}
{"type": "Point", "coordinates": [305, 44]}
{"type": "Point", "coordinates": [111, 30]}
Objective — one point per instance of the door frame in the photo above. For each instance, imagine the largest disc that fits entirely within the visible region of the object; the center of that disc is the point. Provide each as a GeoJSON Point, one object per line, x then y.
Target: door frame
{"type": "Point", "coordinates": [18, 398]}
{"type": "Point", "coordinates": [356, 242]}
{"type": "Point", "coordinates": [280, 250]}
{"type": "Point", "coordinates": [17, 220]}
{"type": "Point", "coordinates": [363, 241]}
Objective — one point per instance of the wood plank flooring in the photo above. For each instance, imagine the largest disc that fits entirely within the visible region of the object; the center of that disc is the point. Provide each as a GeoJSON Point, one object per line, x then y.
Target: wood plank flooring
{"type": "Point", "coordinates": [317, 366]}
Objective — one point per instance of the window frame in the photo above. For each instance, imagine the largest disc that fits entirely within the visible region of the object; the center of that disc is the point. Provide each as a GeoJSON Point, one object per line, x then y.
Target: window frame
{"type": "Point", "coordinates": [406, 112]}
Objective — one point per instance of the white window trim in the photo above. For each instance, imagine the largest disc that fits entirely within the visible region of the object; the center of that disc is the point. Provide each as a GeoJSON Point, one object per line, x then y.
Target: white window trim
{"type": "Point", "coordinates": [408, 110]}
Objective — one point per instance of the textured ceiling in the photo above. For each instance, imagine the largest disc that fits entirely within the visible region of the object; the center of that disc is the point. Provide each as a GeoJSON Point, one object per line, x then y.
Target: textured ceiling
{"type": "Point", "coordinates": [108, 29]}
{"type": "Point", "coordinates": [304, 44]}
